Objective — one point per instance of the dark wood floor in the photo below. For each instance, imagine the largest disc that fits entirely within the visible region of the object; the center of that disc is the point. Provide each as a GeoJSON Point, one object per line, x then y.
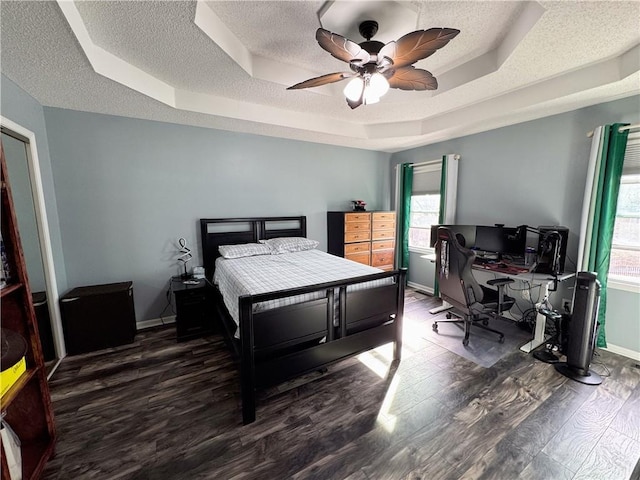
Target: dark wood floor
{"type": "Point", "coordinates": [157, 409]}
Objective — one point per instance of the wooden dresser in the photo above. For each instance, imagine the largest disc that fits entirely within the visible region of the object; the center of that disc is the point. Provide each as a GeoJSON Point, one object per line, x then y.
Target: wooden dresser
{"type": "Point", "coordinates": [364, 237]}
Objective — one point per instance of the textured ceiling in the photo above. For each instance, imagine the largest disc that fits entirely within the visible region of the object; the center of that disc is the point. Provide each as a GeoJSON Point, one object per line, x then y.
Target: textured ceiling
{"type": "Point", "coordinates": [226, 64]}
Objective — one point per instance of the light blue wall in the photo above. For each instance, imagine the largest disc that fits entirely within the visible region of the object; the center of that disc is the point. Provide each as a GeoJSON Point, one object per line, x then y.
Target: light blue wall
{"type": "Point", "coordinates": [21, 108]}
{"type": "Point", "coordinates": [127, 189]}
{"type": "Point", "coordinates": [532, 173]}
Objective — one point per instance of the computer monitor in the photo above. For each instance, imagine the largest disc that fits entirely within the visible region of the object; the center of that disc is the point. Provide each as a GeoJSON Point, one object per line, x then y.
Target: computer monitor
{"type": "Point", "coordinates": [515, 240]}
{"type": "Point", "coordinates": [467, 231]}
{"type": "Point", "coordinates": [490, 239]}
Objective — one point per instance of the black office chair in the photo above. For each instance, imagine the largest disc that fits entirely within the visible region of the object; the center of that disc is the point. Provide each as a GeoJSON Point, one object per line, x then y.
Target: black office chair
{"type": "Point", "coordinates": [473, 303]}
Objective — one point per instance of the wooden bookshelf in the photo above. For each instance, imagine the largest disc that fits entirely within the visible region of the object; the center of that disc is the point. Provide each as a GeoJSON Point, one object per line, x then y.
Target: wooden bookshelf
{"type": "Point", "coordinates": [26, 406]}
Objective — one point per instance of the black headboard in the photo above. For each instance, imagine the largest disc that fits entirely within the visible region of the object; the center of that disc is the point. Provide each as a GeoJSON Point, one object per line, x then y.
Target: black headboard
{"type": "Point", "coordinates": [233, 231]}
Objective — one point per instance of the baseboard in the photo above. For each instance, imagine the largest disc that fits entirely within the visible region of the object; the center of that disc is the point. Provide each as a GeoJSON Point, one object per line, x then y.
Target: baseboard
{"type": "Point", "coordinates": [421, 288]}
{"type": "Point", "coordinates": [625, 352]}
{"type": "Point", "coordinates": [155, 322]}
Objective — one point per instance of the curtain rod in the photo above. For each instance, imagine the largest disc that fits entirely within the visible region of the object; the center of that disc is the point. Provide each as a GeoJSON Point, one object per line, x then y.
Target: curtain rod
{"type": "Point", "coordinates": [429, 162]}
{"type": "Point", "coordinates": [621, 129]}
{"type": "Point", "coordinates": [433, 162]}
{"type": "Point", "coordinates": [629, 127]}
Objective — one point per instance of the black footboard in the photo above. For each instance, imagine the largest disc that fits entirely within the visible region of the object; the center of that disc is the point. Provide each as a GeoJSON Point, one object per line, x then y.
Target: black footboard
{"type": "Point", "coordinates": [289, 341]}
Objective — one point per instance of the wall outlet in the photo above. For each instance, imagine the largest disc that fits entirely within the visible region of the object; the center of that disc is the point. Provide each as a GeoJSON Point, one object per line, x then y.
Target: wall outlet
{"type": "Point", "coordinates": [566, 305]}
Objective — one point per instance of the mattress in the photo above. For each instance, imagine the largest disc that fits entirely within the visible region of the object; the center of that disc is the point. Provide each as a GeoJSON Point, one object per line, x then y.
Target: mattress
{"type": "Point", "coordinates": [268, 273]}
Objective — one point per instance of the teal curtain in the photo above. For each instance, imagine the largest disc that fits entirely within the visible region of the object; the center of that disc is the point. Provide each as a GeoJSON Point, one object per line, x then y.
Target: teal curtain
{"type": "Point", "coordinates": [443, 202]}
{"type": "Point", "coordinates": [404, 211]}
{"type": "Point", "coordinates": [598, 252]}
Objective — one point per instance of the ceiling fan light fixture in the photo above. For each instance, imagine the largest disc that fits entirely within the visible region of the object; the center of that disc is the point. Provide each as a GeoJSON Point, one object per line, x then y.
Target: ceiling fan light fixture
{"type": "Point", "coordinates": [353, 90]}
{"type": "Point", "coordinates": [378, 85]}
{"type": "Point", "coordinates": [369, 98]}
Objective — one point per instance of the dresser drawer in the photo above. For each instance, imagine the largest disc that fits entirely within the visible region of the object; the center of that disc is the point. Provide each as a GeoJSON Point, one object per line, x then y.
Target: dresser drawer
{"type": "Point", "coordinates": [357, 247]}
{"type": "Point", "coordinates": [383, 234]}
{"type": "Point", "coordinates": [350, 227]}
{"type": "Point", "coordinates": [361, 257]}
{"type": "Point", "coordinates": [384, 216]}
{"type": "Point", "coordinates": [357, 237]}
{"type": "Point", "coordinates": [384, 225]}
{"type": "Point", "coordinates": [382, 258]}
{"type": "Point", "coordinates": [357, 217]}
{"type": "Point", "coordinates": [383, 245]}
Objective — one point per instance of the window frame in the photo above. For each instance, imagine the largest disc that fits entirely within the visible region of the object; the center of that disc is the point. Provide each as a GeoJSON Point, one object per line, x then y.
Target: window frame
{"type": "Point", "coordinates": [417, 249]}
{"type": "Point", "coordinates": [622, 282]}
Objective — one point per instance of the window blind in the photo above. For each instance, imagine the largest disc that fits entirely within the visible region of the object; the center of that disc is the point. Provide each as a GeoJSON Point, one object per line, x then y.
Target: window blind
{"type": "Point", "coordinates": [631, 164]}
{"type": "Point", "coordinates": [426, 178]}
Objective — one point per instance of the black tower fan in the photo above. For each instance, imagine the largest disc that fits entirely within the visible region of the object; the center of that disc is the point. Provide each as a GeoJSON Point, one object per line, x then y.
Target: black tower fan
{"type": "Point", "coordinates": [582, 331]}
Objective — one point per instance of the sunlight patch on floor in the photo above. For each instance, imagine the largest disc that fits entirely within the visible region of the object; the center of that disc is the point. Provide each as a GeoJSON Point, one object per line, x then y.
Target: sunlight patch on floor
{"type": "Point", "coordinates": [412, 335]}
{"type": "Point", "coordinates": [372, 360]}
{"type": "Point", "coordinates": [374, 364]}
{"type": "Point", "coordinates": [385, 418]}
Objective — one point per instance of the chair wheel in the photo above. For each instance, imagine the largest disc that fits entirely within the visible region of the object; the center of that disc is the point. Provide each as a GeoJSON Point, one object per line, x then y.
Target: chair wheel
{"type": "Point", "coordinates": [434, 327]}
{"type": "Point", "coordinates": [501, 339]}
{"type": "Point", "coordinates": [449, 315]}
{"type": "Point", "coordinates": [465, 342]}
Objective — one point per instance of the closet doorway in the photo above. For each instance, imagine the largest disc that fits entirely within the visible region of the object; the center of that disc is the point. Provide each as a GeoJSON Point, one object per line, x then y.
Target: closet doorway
{"type": "Point", "coordinates": [28, 197]}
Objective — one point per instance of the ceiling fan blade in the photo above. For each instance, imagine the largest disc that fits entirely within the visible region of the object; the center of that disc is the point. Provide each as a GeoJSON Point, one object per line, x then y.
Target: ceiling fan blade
{"type": "Point", "coordinates": [340, 47]}
{"type": "Point", "coordinates": [411, 78]}
{"type": "Point", "coordinates": [417, 45]}
{"type": "Point", "coordinates": [322, 80]}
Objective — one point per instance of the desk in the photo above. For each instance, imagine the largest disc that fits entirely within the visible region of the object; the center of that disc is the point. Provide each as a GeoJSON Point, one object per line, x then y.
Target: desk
{"type": "Point", "coordinates": [544, 281]}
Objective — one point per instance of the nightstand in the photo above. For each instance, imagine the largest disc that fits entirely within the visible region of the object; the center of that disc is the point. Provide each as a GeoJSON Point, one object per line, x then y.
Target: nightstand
{"type": "Point", "coordinates": [193, 315]}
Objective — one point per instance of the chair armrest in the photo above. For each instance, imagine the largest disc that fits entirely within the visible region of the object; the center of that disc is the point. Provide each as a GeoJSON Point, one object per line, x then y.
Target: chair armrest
{"type": "Point", "coordinates": [500, 281]}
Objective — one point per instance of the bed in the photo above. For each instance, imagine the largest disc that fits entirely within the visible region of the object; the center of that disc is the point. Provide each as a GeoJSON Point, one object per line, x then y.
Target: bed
{"type": "Point", "coordinates": [294, 312]}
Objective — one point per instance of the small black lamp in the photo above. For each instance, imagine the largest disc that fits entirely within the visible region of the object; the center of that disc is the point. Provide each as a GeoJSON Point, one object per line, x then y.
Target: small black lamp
{"type": "Point", "coordinates": [184, 257]}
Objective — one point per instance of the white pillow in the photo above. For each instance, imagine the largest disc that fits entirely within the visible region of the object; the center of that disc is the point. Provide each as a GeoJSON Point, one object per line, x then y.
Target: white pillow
{"type": "Point", "coordinates": [244, 250]}
{"type": "Point", "coordinates": [290, 244]}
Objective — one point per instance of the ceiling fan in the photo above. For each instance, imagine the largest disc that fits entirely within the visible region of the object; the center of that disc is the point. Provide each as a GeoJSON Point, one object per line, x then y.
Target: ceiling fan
{"type": "Point", "coordinates": [375, 66]}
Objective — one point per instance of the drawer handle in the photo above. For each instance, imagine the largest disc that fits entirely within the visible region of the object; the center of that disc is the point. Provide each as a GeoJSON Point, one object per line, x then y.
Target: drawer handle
{"type": "Point", "coordinates": [67, 300]}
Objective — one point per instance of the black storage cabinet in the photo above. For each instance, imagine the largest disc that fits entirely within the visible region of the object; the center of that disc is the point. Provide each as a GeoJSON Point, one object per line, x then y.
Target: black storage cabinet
{"type": "Point", "coordinates": [97, 317]}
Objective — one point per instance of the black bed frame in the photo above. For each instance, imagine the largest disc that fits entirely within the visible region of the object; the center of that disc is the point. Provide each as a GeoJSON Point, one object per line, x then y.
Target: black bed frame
{"type": "Point", "coordinates": [279, 344]}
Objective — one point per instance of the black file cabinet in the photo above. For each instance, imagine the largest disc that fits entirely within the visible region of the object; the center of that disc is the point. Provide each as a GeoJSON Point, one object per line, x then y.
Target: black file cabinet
{"type": "Point", "coordinates": [98, 316]}
{"type": "Point", "coordinates": [193, 315]}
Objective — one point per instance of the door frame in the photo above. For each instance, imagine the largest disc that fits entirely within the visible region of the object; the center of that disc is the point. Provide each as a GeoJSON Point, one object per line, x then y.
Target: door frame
{"type": "Point", "coordinates": [37, 191]}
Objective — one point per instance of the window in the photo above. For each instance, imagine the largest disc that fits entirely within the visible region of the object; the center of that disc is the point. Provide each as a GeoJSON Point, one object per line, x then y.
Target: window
{"type": "Point", "coordinates": [425, 210]}
{"type": "Point", "coordinates": [625, 250]}
{"type": "Point", "coordinates": [425, 204]}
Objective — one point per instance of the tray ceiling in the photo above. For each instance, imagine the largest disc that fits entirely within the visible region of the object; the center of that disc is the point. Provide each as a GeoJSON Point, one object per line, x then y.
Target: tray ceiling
{"type": "Point", "coordinates": [226, 64]}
